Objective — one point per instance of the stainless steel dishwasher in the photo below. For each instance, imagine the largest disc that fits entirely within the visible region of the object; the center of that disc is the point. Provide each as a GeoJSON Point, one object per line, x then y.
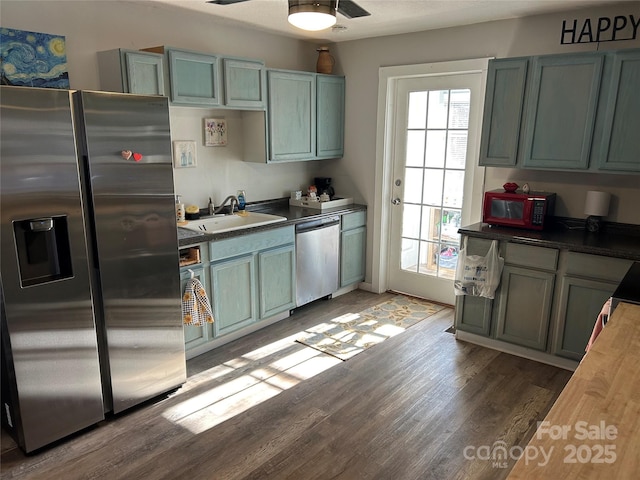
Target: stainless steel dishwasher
{"type": "Point", "coordinates": [317, 247]}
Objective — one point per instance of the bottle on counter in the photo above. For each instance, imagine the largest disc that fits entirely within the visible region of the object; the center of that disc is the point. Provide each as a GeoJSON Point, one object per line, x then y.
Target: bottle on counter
{"type": "Point", "coordinates": [180, 212]}
{"type": "Point", "coordinates": [211, 209]}
{"type": "Point", "coordinates": [241, 196]}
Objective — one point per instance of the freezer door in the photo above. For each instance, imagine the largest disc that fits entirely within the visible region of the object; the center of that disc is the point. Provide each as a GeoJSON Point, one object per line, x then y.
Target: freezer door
{"type": "Point", "coordinates": [50, 345]}
{"type": "Point", "coordinates": [136, 241]}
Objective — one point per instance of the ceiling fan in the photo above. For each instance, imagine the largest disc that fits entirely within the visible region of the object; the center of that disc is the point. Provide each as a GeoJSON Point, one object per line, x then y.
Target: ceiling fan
{"type": "Point", "coordinates": [348, 8]}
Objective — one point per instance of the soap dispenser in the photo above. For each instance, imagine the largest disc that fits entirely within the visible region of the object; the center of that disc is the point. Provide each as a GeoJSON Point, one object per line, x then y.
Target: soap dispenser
{"type": "Point", "coordinates": [180, 214]}
{"type": "Point", "coordinates": [242, 199]}
{"type": "Point", "coordinates": [211, 209]}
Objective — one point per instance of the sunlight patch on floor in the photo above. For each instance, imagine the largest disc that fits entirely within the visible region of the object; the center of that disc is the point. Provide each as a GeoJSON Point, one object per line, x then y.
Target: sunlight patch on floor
{"type": "Point", "coordinates": [389, 330]}
{"type": "Point", "coordinates": [244, 382]}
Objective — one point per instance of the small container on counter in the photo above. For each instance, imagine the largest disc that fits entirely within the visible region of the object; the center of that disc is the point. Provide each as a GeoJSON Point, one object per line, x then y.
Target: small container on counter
{"type": "Point", "coordinates": [180, 213]}
{"type": "Point", "coordinates": [241, 196]}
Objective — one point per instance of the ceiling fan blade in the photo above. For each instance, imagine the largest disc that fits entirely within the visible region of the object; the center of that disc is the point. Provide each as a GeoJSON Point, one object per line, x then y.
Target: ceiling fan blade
{"type": "Point", "coordinates": [225, 2]}
{"type": "Point", "coordinates": [350, 9]}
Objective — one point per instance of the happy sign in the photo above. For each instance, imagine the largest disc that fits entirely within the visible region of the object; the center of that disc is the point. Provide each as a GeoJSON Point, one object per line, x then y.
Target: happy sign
{"type": "Point", "coordinates": [604, 29]}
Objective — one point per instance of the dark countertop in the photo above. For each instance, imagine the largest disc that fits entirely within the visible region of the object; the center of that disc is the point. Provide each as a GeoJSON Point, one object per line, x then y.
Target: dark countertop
{"type": "Point", "coordinates": [629, 288]}
{"type": "Point", "coordinates": [279, 207]}
{"type": "Point", "coordinates": [621, 242]}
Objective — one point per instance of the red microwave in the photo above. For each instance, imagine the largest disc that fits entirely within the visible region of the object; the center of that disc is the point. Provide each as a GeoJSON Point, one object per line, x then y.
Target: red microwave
{"type": "Point", "coordinates": [518, 209]}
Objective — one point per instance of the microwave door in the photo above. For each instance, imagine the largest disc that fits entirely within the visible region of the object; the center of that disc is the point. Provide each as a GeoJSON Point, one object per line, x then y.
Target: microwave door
{"type": "Point", "coordinates": [507, 209]}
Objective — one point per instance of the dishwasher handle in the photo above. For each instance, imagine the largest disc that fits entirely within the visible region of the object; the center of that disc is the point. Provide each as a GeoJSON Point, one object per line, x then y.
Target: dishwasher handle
{"type": "Point", "coordinates": [310, 225]}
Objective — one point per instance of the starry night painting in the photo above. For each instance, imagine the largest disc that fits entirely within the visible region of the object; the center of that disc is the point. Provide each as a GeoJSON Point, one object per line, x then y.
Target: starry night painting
{"type": "Point", "coordinates": [30, 59]}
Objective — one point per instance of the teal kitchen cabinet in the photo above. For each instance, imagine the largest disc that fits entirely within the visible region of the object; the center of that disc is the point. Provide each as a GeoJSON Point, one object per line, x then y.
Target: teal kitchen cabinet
{"type": "Point", "coordinates": [196, 335]}
{"type": "Point", "coordinates": [587, 283]}
{"type": "Point", "coordinates": [620, 144]}
{"type": "Point", "coordinates": [200, 79]}
{"type": "Point", "coordinates": [561, 112]}
{"type": "Point", "coordinates": [244, 83]}
{"type": "Point", "coordinates": [305, 116]}
{"type": "Point", "coordinates": [353, 245]}
{"type": "Point", "coordinates": [473, 314]}
{"type": "Point", "coordinates": [252, 277]}
{"type": "Point", "coordinates": [276, 280]}
{"type": "Point", "coordinates": [131, 71]}
{"type": "Point", "coordinates": [524, 298]}
{"type": "Point", "coordinates": [233, 293]}
{"type": "Point", "coordinates": [502, 115]}
{"type": "Point", "coordinates": [194, 78]}
{"type": "Point", "coordinates": [194, 260]}
{"type": "Point", "coordinates": [291, 115]}
{"type": "Point", "coordinates": [330, 100]}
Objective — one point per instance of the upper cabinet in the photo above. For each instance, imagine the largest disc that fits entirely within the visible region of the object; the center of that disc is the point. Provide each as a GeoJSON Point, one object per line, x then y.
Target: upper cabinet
{"type": "Point", "coordinates": [244, 83]}
{"type": "Point", "coordinates": [289, 115]}
{"type": "Point", "coordinates": [503, 111]}
{"type": "Point", "coordinates": [566, 112]}
{"type": "Point", "coordinates": [199, 79]}
{"type": "Point", "coordinates": [620, 143]}
{"type": "Point", "coordinates": [561, 111]}
{"type": "Point", "coordinates": [131, 71]}
{"type": "Point", "coordinates": [193, 78]}
{"type": "Point", "coordinates": [306, 116]}
{"type": "Point", "coordinates": [292, 115]}
{"type": "Point", "coordinates": [330, 116]}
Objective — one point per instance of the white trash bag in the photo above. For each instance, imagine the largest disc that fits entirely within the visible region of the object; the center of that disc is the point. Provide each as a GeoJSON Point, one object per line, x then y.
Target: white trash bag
{"type": "Point", "coordinates": [478, 275]}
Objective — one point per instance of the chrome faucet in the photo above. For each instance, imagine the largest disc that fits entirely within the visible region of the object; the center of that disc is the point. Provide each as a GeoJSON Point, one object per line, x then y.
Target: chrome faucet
{"type": "Point", "coordinates": [232, 199]}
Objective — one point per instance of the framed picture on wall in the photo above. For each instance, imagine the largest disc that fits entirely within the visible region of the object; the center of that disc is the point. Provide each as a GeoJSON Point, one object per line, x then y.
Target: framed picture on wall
{"type": "Point", "coordinates": [33, 59]}
{"type": "Point", "coordinates": [184, 154]}
{"type": "Point", "coordinates": [215, 132]}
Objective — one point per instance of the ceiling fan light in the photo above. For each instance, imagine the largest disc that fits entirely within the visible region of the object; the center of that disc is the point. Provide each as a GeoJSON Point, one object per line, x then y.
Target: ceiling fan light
{"type": "Point", "coordinates": [312, 16]}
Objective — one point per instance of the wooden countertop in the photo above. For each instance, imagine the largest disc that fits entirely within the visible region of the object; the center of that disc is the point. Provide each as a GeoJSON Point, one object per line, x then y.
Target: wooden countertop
{"type": "Point", "coordinates": [602, 403]}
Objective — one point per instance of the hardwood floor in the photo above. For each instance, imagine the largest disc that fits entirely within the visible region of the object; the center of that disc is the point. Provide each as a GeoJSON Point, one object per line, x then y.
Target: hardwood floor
{"type": "Point", "coordinates": [265, 407]}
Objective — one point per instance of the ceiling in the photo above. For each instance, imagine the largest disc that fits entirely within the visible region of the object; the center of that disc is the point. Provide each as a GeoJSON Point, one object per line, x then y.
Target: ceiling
{"type": "Point", "coordinates": [388, 17]}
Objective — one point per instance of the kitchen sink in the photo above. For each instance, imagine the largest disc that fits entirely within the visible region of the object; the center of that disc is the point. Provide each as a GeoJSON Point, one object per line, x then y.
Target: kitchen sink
{"type": "Point", "coordinates": [228, 223]}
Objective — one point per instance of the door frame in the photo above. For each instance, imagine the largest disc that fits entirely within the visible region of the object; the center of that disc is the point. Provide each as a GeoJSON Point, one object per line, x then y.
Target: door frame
{"type": "Point", "coordinates": [386, 120]}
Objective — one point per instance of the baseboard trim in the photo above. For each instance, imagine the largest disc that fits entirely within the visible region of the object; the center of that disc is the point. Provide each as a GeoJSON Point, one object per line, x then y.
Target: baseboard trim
{"type": "Point", "coordinates": [217, 342]}
{"type": "Point", "coordinates": [524, 352]}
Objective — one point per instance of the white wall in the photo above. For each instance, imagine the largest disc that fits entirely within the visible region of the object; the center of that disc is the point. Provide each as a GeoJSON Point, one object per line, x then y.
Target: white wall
{"type": "Point", "coordinates": [360, 61]}
{"type": "Point", "coordinates": [92, 26]}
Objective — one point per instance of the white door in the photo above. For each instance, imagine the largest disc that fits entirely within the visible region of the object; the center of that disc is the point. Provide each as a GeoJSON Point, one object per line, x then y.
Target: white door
{"type": "Point", "coordinates": [436, 137]}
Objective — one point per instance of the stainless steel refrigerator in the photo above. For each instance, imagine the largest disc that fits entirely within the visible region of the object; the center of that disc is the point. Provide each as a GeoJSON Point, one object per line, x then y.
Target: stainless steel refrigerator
{"type": "Point", "coordinates": [91, 319]}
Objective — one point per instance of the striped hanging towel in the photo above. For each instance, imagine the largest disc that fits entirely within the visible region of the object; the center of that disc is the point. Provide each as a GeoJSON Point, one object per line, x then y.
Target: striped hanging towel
{"type": "Point", "coordinates": [196, 309]}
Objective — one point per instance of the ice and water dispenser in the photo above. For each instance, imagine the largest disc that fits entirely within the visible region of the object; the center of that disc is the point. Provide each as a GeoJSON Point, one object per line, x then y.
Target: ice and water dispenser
{"type": "Point", "coordinates": [44, 254]}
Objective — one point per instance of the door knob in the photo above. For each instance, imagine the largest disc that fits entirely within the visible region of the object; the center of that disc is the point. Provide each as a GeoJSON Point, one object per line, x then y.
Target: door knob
{"type": "Point", "coordinates": [396, 201]}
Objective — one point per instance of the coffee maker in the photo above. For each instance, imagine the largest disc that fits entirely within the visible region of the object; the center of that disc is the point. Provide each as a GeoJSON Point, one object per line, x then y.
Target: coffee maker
{"type": "Point", "coordinates": [323, 184]}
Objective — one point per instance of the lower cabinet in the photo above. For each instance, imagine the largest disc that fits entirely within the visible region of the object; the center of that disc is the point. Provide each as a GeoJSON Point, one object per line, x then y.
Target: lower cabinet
{"type": "Point", "coordinates": [248, 278]}
{"type": "Point", "coordinates": [533, 310]}
{"type": "Point", "coordinates": [473, 314]}
{"type": "Point", "coordinates": [233, 295]}
{"type": "Point", "coordinates": [196, 335]}
{"type": "Point", "coordinates": [588, 281]}
{"type": "Point", "coordinates": [523, 307]}
{"type": "Point", "coordinates": [252, 278]}
{"type": "Point", "coordinates": [353, 244]}
{"type": "Point", "coordinates": [276, 280]}
{"type": "Point", "coordinates": [580, 303]}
